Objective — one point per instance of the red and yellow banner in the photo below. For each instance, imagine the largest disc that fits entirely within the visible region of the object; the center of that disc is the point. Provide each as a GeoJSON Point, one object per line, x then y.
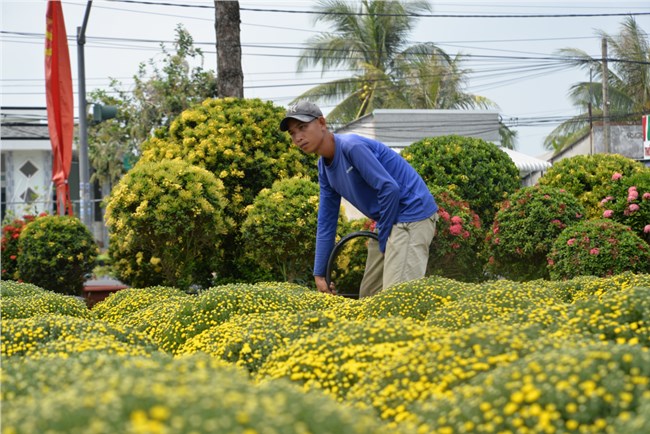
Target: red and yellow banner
{"type": "Point", "coordinates": [60, 103]}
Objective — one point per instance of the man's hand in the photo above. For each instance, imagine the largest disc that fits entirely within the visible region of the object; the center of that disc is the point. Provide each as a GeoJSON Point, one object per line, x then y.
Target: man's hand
{"type": "Point", "coordinates": [321, 285]}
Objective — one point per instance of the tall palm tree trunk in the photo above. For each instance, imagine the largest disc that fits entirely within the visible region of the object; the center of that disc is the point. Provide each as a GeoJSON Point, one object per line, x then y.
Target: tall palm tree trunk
{"type": "Point", "coordinates": [229, 71]}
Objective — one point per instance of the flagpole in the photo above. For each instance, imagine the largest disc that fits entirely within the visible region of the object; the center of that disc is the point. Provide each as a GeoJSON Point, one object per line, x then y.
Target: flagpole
{"type": "Point", "coordinates": [85, 207]}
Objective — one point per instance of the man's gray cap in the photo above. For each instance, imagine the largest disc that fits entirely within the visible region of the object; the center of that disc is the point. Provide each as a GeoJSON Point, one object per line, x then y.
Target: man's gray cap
{"type": "Point", "coordinates": [303, 111]}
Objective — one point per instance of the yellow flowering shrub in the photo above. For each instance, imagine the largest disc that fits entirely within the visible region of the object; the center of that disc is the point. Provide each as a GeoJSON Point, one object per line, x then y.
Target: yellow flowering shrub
{"type": "Point", "coordinates": [166, 224]}
{"type": "Point", "coordinates": [428, 356]}
{"type": "Point", "coordinates": [11, 288]}
{"type": "Point", "coordinates": [507, 301]}
{"type": "Point", "coordinates": [414, 299]}
{"type": "Point", "coordinates": [24, 300]}
{"type": "Point", "coordinates": [55, 253]}
{"type": "Point", "coordinates": [334, 359]}
{"type": "Point", "coordinates": [238, 140]}
{"type": "Point", "coordinates": [442, 361]}
{"type": "Point", "coordinates": [107, 394]}
{"type": "Point", "coordinates": [619, 316]}
{"type": "Point", "coordinates": [126, 301]}
{"type": "Point", "coordinates": [62, 335]}
{"type": "Point", "coordinates": [247, 340]}
{"type": "Point", "coordinates": [575, 388]}
{"type": "Point", "coordinates": [182, 318]}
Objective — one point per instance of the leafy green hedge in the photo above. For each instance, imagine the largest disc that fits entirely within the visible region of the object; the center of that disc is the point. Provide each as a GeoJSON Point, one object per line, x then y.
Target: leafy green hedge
{"type": "Point", "coordinates": [476, 170]}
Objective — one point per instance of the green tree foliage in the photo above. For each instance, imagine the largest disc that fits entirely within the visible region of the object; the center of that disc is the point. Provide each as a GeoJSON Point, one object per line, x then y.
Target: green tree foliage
{"type": "Point", "coordinates": [56, 253]}
{"type": "Point", "coordinates": [477, 171]}
{"type": "Point", "coordinates": [166, 222]}
{"type": "Point", "coordinates": [239, 141]}
{"type": "Point", "coordinates": [598, 248]}
{"type": "Point", "coordinates": [628, 83]}
{"type": "Point", "coordinates": [162, 89]}
{"type": "Point", "coordinates": [524, 230]}
{"type": "Point", "coordinates": [280, 228]}
{"type": "Point", "coordinates": [587, 177]}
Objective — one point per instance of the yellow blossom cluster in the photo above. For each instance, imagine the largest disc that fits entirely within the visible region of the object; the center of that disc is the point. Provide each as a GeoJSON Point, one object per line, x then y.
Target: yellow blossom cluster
{"type": "Point", "coordinates": [428, 356]}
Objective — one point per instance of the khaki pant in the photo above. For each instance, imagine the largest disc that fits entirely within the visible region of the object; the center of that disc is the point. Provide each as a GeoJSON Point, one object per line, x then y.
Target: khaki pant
{"type": "Point", "coordinates": [406, 256]}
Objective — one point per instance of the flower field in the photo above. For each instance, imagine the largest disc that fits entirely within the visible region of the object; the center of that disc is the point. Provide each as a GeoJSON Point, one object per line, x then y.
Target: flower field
{"type": "Point", "coordinates": [429, 356]}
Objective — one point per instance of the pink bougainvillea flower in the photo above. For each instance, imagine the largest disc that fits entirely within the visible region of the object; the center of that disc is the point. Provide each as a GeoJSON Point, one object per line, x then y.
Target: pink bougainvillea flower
{"type": "Point", "coordinates": [634, 207]}
{"type": "Point", "coordinates": [571, 241]}
{"type": "Point", "coordinates": [607, 199]}
{"type": "Point", "coordinates": [594, 251]}
{"type": "Point", "coordinates": [646, 229]}
{"type": "Point", "coordinates": [444, 215]}
{"type": "Point", "coordinates": [631, 189]}
{"type": "Point", "coordinates": [646, 196]}
{"type": "Point", "coordinates": [456, 220]}
{"type": "Point", "coordinates": [550, 262]}
{"type": "Point", "coordinates": [616, 176]}
{"type": "Point", "coordinates": [466, 234]}
{"type": "Point", "coordinates": [608, 213]}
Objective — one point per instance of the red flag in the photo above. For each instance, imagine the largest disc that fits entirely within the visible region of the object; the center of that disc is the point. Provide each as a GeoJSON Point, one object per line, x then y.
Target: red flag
{"type": "Point", "coordinates": [60, 105]}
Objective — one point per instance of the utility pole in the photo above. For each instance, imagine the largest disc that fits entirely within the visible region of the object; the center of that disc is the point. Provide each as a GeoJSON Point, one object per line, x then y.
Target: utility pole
{"type": "Point", "coordinates": [85, 206]}
{"type": "Point", "coordinates": [606, 131]}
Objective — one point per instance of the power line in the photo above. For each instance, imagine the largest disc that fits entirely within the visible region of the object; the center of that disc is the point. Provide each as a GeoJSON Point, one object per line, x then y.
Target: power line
{"type": "Point", "coordinates": [415, 15]}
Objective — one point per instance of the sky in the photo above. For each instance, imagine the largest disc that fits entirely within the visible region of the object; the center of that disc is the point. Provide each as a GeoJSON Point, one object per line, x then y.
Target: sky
{"type": "Point", "coordinates": [511, 51]}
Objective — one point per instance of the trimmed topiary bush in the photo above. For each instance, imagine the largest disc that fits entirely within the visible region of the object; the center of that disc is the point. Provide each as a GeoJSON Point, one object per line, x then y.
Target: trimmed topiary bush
{"type": "Point", "coordinates": [457, 246]}
{"type": "Point", "coordinates": [56, 253]}
{"type": "Point", "coordinates": [524, 230]}
{"type": "Point", "coordinates": [598, 248]}
{"type": "Point", "coordinates": [280, 229]}
{"type": "Point", "coordinates": [10, 234]}
{"type": "Point", "coordinates": [478, 171]}
{"type": "Point", "coordinates": [166, 223]}
{"type": "Point", "coordinates": [587, 177]}
{"type": "Point", "coordinates": [628, 202]}
{"type": "Point", "coordinates": [240, 142]}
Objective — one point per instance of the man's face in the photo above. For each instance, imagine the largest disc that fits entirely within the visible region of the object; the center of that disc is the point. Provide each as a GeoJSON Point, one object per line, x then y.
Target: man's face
{"type": "Point", "coordinates": [307, 135]}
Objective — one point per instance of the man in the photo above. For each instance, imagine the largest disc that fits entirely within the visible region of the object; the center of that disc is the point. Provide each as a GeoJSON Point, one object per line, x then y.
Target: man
{"type": "Point", "coordinates": [379, 183]}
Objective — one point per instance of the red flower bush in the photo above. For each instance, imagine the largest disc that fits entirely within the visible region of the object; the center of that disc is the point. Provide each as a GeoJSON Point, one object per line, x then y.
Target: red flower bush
{"type": "Point", "coordinates": [628, 202]}
{"type": "Point", "coordinates": [456, 250]}
{"type": "Point", "coordinates": [525, 228]}
{"type": "Point", "coordinates": [10, 234]}
{"type": "Point", "coordinates": [599, 248]}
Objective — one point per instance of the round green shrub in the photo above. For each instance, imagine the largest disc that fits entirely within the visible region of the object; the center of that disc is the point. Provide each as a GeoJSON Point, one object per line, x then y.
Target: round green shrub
{"type": "Point", "coordinates": [239, 141]}
{"type": "Point", "coordinates": [166, 223]}
{"type": "Point", "coordinates": [457, 246]}
{"type": "Point", "coordinates": [598, 248]}
{"type": "Point", "coordinates": [280, 229]}
{"type": "Point", "coordinates": [478, 171]}
{"type": "Point", "coordinates": [524, 230]}
{"type": "Point", "coordinates": [628, 202]}
{"type": "Point", "coordinates": [350, 264]}
{"type": "Point", "coordinates": [10, 234]}
{"type": "Point", "coordinates": [587, 177]}
{"type": "Point", "coordinates": [55, 253]}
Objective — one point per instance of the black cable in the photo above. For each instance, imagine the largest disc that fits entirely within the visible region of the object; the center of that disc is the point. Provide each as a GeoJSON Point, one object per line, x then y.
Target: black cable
{"type": "Point", "coordinates": [335, 252]}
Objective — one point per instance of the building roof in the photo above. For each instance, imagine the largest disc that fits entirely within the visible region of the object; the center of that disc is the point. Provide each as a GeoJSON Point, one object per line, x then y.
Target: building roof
{"type": "Point", "coordinates": [393, 126]}
{"type": "Point", "coordinates": [526, 163]}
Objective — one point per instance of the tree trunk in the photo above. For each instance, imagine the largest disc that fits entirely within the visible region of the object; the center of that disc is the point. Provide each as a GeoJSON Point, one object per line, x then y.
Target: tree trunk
{"type": "Point", "coordinates": [230, 76]}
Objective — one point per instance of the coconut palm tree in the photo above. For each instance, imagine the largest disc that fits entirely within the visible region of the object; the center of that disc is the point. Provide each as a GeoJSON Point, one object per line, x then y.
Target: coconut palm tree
{"type": "Point", "coordinates": [628, 83]}
{"type": "Point", "coordinates": [371, 41]}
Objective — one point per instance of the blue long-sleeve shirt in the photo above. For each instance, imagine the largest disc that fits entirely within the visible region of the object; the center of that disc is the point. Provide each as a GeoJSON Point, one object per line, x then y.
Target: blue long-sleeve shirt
{"type": "Point", "coordinates": [374, 179]}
